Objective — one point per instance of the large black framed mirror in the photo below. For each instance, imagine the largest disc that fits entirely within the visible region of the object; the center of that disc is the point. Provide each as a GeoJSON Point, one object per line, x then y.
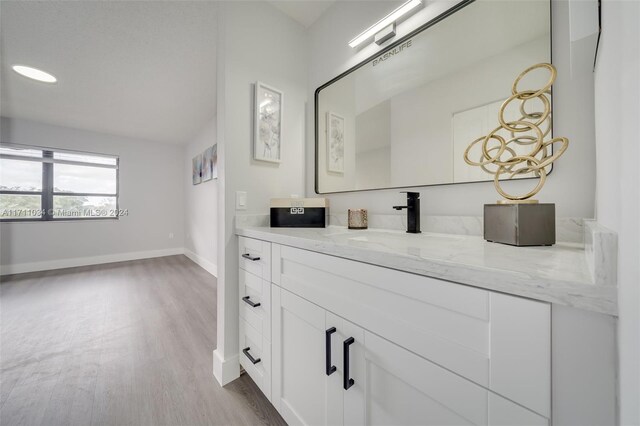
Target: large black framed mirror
{"type": "Point", "coordinates": [403, 117]}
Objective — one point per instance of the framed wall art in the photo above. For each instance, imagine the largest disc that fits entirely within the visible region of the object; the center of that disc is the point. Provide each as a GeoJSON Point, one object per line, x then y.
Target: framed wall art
{"type": "Point", "coordinates": [268, 123]}
{"type": "Point", "coordinates": [335, 142]}
{"type": "Point", "coordinates": [196, 169]}
{"type": "Point", "coordinates": [210, 163]}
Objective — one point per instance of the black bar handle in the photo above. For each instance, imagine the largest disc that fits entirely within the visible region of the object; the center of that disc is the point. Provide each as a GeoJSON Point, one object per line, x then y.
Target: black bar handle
{"type": "Point", "coordinates": [248, 256]}
{"type": "Point", "coordinates": [330, 369]}
{"type": "Point", "coordinates": [252, 359]}
{"type": "Point", "coordinates": [348, 381]}
{"type": "Point", "coordinates": [249, 302]}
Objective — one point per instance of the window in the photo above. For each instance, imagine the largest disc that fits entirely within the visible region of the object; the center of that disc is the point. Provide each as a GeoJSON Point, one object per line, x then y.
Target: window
{"type": "Point", "coordinates": [42, 184]}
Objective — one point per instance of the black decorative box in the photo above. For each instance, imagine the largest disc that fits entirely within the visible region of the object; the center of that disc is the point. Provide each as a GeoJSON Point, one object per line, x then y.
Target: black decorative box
{"type": "Point", "coordinates": [299, 212]}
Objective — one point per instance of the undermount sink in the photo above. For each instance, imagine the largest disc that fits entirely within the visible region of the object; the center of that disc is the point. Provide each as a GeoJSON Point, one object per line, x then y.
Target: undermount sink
{"type": "Point", "coordinates": [391, 238]}
{"type": "Point", "coordinates": [380, 235]}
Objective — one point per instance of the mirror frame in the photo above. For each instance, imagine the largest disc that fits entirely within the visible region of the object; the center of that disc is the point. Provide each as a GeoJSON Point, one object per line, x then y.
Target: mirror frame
{"type": "Point", "coordinates": [462, 4]}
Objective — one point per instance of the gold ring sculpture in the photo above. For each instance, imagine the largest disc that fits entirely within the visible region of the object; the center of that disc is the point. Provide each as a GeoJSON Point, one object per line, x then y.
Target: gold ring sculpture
{"type": "Point", "coordinates": [507, 160]}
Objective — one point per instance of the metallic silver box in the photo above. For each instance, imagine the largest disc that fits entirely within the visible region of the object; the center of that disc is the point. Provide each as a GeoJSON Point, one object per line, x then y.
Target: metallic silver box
{"type": "Point", "coordinates": [520, 224]}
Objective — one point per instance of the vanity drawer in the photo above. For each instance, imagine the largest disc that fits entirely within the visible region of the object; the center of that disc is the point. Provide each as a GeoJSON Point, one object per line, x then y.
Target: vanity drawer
{"type": "Point", "coordinates": [255, 302]}
{"type": "Point", "coordinates": [255, 257]}
{"type": "Point", "coordinates": [255, 357]}
{"type": "Point", "coordinates": [500, 342]}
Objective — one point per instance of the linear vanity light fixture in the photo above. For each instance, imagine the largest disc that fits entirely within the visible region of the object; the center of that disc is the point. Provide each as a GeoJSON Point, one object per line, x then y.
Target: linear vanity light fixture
{"type": "Point", "coordinates": [385, 22]}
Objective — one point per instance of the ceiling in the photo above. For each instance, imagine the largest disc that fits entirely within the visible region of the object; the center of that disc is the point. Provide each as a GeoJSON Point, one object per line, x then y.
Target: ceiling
{"type": "Point", "coordinates": [306, 12]}
{"type": "Point", "coordinates": [140, 69]}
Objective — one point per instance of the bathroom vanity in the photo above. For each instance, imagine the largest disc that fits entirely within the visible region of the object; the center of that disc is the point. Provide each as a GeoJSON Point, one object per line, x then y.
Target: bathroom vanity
{"type": "Point", "coordinates": [392, 328]}
{"type": "Point", "coordinates": [384, 327]}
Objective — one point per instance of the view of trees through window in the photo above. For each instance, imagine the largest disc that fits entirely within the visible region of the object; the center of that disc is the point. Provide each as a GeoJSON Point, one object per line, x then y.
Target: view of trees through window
{"type": "Point", "coordinates": [45, 184]}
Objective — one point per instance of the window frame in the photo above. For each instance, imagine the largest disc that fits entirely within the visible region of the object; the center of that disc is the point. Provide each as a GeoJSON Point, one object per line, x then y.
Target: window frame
{"type": "Point", "coordinates": [47, 192]}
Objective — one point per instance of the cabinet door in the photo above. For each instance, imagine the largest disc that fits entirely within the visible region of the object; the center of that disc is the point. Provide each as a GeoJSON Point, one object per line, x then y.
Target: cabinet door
{"type": "Point", "coordinates": [403, 388]}
{"type": "Point", "coordinates": [302, 391]}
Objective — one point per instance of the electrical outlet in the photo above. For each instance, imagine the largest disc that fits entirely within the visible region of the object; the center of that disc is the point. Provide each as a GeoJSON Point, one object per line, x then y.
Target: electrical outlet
{"type": "Point", "coordinates": [171, 235]}
{"type": "Point", "coordinates": [241, 200]}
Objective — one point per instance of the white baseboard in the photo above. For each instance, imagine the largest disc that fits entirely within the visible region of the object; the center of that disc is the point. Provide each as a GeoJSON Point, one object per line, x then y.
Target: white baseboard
{"type": "Point", "coordinates": [19, 268]}
{"type": "Point", "coordinates": [205, 264]}
{"type": "Point", "coordinates": [225, 370]}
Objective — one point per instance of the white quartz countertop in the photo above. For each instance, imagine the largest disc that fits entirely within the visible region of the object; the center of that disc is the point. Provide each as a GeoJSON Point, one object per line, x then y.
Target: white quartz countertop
{"type": "Point", "coordinates": [559, 274]}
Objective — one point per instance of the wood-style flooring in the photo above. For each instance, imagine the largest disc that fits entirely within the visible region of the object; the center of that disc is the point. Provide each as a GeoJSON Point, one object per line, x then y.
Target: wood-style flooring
{"type": "Point", "coordinates": [126, 343]}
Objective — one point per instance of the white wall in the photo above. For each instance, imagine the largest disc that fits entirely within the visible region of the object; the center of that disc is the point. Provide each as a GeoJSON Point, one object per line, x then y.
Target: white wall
{"type": "Point", "coordinates": [570, 186]}
{"type": "Point", "coordinates": [151, 188]}
{"type": "Point", "coordinates": [255, 42]}
{"type": "Point", "coordinates": [617, 98]}
{"type": "Point", "coordinates": [201, 205]}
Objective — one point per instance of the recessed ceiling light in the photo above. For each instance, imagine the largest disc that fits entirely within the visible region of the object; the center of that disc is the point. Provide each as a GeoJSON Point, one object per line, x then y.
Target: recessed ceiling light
{"type": "Point", "coordinates": [34, 74]}
{"type": "Point", "coordinates": [385, 22]}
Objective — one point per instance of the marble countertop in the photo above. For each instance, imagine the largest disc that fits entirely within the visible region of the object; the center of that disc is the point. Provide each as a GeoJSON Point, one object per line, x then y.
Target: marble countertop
{"type": "Point", "coordinates": [559, 274]}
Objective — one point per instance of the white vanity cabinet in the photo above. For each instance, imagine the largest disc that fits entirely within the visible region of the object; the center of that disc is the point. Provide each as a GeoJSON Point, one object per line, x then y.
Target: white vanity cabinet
{"type": "Point", "coordinates": [385, 384]}
{"type": "Point", "coordinates": [308, 362]}
{"type": "Point", "coordinates": [424, 351]}
{"type": "Point", "coordinates": [345, 342]}
{"type": "Point", "coordinates": [254, 279]}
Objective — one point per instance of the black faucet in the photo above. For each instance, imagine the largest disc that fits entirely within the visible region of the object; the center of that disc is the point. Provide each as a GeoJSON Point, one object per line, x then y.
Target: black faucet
{"type": "Point", "coordinates": [413, 212]}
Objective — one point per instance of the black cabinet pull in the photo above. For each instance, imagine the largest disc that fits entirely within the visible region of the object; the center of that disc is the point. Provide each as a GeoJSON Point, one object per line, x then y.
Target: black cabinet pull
{"type": "Point", "coordinates": [248, 256]}
{"type": "Point", "coordinates": [252, 359]}
{"type": "Point", "coordinates": [249, 302]}
{"type": "Point", "coordinates": [330, 369]}
{"type": "Point", "coordinates": [348, 381]}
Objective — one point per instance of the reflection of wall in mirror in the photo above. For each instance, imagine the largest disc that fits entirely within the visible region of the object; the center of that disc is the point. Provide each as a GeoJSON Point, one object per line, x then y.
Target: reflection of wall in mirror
{"type": "Point", "coordinates": [466, 125]}
{"type": "Point", "coordinates": [373, 147]}
{"type": "Point", "coordinates": [338, 98]}
{"type": "Point", "coordinates": [419, 125]}
{"type": "Point", "coordinates": [422, 148]}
